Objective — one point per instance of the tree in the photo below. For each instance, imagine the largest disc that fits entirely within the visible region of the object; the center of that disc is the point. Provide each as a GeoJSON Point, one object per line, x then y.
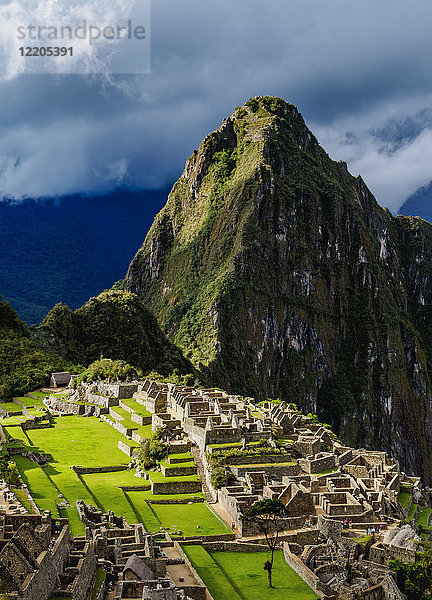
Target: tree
{"type": "Point", "coordinates": [9, 472]}
{"type": "Point", "coordinates": [152, 450]}
{"type": "Point", "coordinates": [268, 514]}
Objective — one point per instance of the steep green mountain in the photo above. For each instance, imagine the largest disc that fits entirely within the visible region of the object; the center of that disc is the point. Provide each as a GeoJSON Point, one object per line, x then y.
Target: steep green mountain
{"type": "Point", "coordinates": [278, 274]}
{"type": "Point", "coordinates": [24, 364]}
{"type": "Point", "coordinates": [115, 325]}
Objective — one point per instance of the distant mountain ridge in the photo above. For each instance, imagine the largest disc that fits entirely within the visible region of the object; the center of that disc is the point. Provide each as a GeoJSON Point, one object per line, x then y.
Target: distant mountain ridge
{"type": "Point", "coordinates": [69, 249]}
{"type": "Point", "coordinates": [278, 274]}
{"type": "Point", "coordinates": [419, 204]}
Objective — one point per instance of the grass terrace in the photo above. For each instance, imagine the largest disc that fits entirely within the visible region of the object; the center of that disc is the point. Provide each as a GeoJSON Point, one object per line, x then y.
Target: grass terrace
{"type": "Point", "coordinates": [190, 519]}
{"type": "Point", "coordinates": [91, 442]}
{"type": "Point", "coordinates": [139, 409]}
{"type": "Point", "coordinates": [158, 477]}
{"type": "Point", "coordinates": [22, 497]}
{"type": "Point", "coordinates": [327, 471]}
{"type": "Point", "coordinates": [422, 518]}
{"type": "Point", "coordinates": [40, 395]}
{"type": "Point", "coordinates": [28, 401]}
{"type": "Point", "coordinates": [10, 406]}
{"type": "Point", "coordinates": [412, 511]}
{"type": "Point", "coordinates": [12, 421]}
{"type": "Point", "coordinates": [70, 441]}
{"type": "Point", "coordinates": [240, 575]}
{"type": "Point", "coordinates": [404, 499]}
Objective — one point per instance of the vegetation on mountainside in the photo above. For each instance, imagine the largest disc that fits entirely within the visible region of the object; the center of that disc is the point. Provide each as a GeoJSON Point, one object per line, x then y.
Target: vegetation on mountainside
{"type": "Point", "coordinates": [108, 370]}
{"type": "Point", "coordinates": [24, 364]}
{"type": "Point", "coordinates": [277, 273]}
{"type": "Point", "coordinates": [415, 579]}
{"type": "Point", "coordinates": [116, 325]}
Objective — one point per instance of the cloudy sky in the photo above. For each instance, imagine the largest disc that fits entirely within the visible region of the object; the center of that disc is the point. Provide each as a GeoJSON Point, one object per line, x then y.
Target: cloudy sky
{"type": "Point", "coordinates": [360, 73]}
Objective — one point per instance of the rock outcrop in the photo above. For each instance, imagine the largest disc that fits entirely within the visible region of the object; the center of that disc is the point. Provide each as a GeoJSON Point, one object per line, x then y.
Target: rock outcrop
{"type": "Point", "coordinates": [278, 274]}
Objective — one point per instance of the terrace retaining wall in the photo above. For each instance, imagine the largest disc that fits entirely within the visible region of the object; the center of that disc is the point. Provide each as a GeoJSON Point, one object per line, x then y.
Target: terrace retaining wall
{"type": "Point", "coordinates": [177, 487]}
{"type": "Point", "coordinates": [306, 574]}
{"type": "Point", "coordinates": [88, 470]}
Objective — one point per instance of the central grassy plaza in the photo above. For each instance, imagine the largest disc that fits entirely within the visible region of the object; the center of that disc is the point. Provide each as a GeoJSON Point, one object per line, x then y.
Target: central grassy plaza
{"type": "Point", "coordinates": [91, 442]}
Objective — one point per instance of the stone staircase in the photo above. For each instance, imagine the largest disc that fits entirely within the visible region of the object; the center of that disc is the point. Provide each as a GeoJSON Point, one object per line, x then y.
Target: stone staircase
{"type": "Point", "coordinates": [201, 472]}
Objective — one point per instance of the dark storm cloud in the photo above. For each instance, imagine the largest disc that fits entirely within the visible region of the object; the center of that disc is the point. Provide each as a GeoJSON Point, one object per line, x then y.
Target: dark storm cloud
{"type": "Point", "coordinates": [359, 72]}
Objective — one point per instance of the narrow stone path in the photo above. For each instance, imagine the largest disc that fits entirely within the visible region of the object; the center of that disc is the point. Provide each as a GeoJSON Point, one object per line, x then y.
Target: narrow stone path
{"type": "Point", "coordinates": [201, 472]}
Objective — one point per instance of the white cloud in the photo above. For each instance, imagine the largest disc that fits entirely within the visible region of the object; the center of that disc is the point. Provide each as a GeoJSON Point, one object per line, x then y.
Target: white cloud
{"type": "Point", "coordinates": [350, 67]}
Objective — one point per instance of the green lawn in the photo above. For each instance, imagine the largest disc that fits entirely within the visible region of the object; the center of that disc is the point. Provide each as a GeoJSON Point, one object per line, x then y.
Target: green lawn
{"type": "Point", "coordinates": [422, 518]}
{"type": "Point", "coordinates": [80, 441]}
{"type": "Point", "coordinates": [187, 517]}
{"type": "Point", "coordinates": [327, 471]}
{"type": "Point", "coordinates": [105, 489]}
{"type": "Point", "coordinates": [240, 575]}
{"type": "Point", "coordinates": [159, 478]}
{"type": "Point", "coordinates": [71, 441]}
{"type": "Point", "coordinates": [143, 511]}
{"type": "Point", "coordinates": [219, 586]}
{"type": "Point", "coordinates": [39, 394]}
{"type": "Point", "coordinates": [11, 406]}
{"type": "Point", "coordinates": [11, 421]}
{"type": "Point", "coordinates": [43, 490]}
{"type": "Point", "coordinates": [181, 457]}
{"type": "Point", "coordinates": [364, 539]}
{"type": "Point", "coordinates": [22, 497]}
{"type": "Point", "coordinates": [412, 511]}
{"type": "Point", "coordinates": [75, 440]}
{"type": "Point", "coordinates": [27, 401]}
{"type": "Point", "coordinates": [139, 409]}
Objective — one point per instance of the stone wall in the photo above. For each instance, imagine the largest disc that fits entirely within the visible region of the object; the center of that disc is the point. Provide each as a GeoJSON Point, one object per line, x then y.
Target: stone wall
{"type": "Point", "coordinates": [127, 448]}
{"type": "Point", "coordinates": [391, 590]}
{"type": "Point", "coordinates": [67, 407]}
{"type": "Point", "coordinates": [254, 459]}
{"type": "Point", "coordinates": [382, 553]}
{"type": "Point", "coordinates": [276, 470]}
{"type": "Point", "coordinates": [179, 487]}
{"type": "Point", "coordinates": [234, 547]}
{"type": "Point", "coordinates": [119, 391]}
{"type": "Point", "coordinates": [318, 463]}
{"type": "Point", "coordinates": [35, 425]}
{"type": "Point", "coordinates": [139, 419]}
{"type": "Point", "coordinates": [201, 584]}
{"type": "Point", "coordinates": [44, 581]}
{"type": "Point", "coordinates": [88, 470]}
{"type": "Point", "coordinates": [178, 471]}
{"type": "Point", "coordinates": [306, 574]}
{"type": "Point", "coordinates": [195, 500]}
{"type": "Point", "coordinates": [104, 401]}
{"type": "Point", "coordinates": [87, 569]}
{"type": "Point", "coordinates": [330, 529]}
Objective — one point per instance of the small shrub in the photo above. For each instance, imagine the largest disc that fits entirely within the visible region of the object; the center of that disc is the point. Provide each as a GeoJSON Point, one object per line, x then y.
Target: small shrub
{"type": "Point", "coordinates": [220, 478]}
{"type": "Point", "coordinates": [152, 450]}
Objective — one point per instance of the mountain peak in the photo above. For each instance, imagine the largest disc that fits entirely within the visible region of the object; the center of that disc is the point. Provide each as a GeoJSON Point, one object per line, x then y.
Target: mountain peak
{"type": "Point", "coordinates": [278, 274]}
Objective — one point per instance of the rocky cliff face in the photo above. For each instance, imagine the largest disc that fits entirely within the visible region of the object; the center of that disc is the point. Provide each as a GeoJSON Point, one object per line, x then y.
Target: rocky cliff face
{"type": "Point", "coordinates": [278, 274]}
